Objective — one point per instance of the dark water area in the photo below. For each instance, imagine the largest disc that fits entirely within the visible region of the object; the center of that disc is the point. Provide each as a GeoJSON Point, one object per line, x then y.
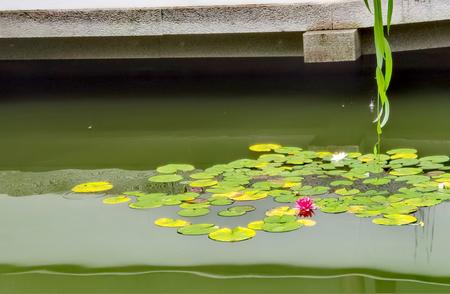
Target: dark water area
{"type": "Point", "coordinates": [139, 114]}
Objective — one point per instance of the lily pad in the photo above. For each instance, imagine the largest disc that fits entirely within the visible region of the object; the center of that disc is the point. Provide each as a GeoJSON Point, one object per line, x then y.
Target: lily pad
{"type": "Point", "coordinates": [173, 168]}
{"type": "Point", "coordinates": [281, 210]}
{"type": "Point", "coordinates": [256, 225]}
{"type": "Point", "coordinates": [165, 178]}
{"type": "Point", "coordinates": [341, 183]}
{"type": "Point", "coordinates": [264, 147]}
{"type": "Point", "coordinates": [345, 192]}
{"type": "Point", "coordinates": [202, 176]}
{"type": "Point", "coordinates": [192, 212]}
{"type": "Point", "coordinates": [92, 187]}
{"type": "Point", "coordinates": [401, 150]}
{"type": "Point", "coordinates": [395, 220]}
{"type": "Point", "coordinates": [232, 235]}
{"type": "Point", "coordinates": [377, 181]}
{"type": "Point", "coordinates": [203, 183]}
{"type": "Point", "coordinates": [250, 195]}
{"type": "Point", "coordinates": [435, 159]}
{"type": "Point", "coordinates": [406, 171]}
{"type": "Point", "coordinates": [281, 227]}
{"type": "Point", "coordinates": [306, 222]}
{"type": "Point", "coordinates": [116, 199]}
{"type": "Point", "coordinates": [198, 229]}
{"type": "Point", "coordinates": [171, 223]}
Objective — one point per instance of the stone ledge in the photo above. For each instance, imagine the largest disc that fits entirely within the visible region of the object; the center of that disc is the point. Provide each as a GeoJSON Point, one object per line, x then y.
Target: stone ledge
{"type": "Point", "coordinates": [294, 16]}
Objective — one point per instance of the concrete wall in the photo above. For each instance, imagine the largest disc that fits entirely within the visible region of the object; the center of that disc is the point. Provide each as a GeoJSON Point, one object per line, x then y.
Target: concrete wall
{"type": "Point", "coordinates": [209, 31]}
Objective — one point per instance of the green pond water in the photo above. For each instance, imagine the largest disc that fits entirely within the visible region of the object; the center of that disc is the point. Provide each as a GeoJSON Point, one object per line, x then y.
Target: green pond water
{"type": "Point", "coordinates": [52, 242]}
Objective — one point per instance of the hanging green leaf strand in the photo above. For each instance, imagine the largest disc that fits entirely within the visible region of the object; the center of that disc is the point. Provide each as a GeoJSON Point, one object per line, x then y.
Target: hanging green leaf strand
{"type": "Point", "coordinates": [383, 71]}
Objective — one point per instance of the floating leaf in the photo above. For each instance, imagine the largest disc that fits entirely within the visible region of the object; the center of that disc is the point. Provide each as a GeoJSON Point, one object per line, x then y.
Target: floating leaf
{"type": "Point", "coordinates": [203, 183]}
{"type": "Point", "coordinates": [92, 187]}
{"type": "Point", "coordinates": [288, 150]}
{"type": "Point", "coordinates": [339, 208]}
{"type": "Point", "coordinates": [281, 227]}
{"type": "Point", "coordinates": [116, 199]}
{"type": "Point", "coordinates": [306, 222]}
{"type": "Point", "coordinates": [221, 202]}
{"type": "Point", "coordinates": [171, 223]}
{"type": "Point", "coordinates": [435, 158]}
{"type": "Point", "coordinates": [202, 176]}
{"type": "Point", "coordinates": [236, 210]}
{"type": "Point", "coordinates": [341, 183]}
{"type": "Point", "coordinates": [250, 195]}
{"type": "Point", "coordinates": [264, 147]}
{"type": "Point", "coordinates": [345, 192]}
{"type": "Point", "coordinates": [406, 171]}
{"type": "Point", "coordinates": [281, 210]}
{"type": "Point", "coordinates": [146, 203]}
{"type": "Point", "coordinates": [404, 156]}
{"type": "Point", "coordinates": [256, 225]}
{"type": "Point", "coordinates": [165, 178]}
{"type": "Point", "coordinates": [377, 181]}
{"type": "Point", "coordinates": [232, 235]}
{"type": "Point", "coordinates": [173, 168]}
{"type": "Point", "coordinates": [401, 150]}
{"type": "Point", "coordinates": [395, 220]}
{"type": "Point", "coordinates": [191, 212]}
{"type": "Point", "coordinates": [198, 229]}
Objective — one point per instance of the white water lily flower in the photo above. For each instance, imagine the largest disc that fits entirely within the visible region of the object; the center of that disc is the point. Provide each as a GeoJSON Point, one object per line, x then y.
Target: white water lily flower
{"type": "Point", "coordinates": [441, 186]}
{"type": "Point", "coordinates": [338, 156]}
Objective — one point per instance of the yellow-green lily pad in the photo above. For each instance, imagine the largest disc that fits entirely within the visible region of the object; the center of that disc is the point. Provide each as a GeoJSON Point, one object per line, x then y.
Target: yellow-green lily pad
{"type": "Point", "coordinates": [92, 187]}
{"type": "Point", "coordinates": [232, 235]}
{"type": "Point", "coordinates": [171, 223]}
{"type": "Point", "coordinates": [198, 229]}
{"type": "Point", "coordinates": [116, 199]}
{"type": "Point", "coordinates": [395, 220]}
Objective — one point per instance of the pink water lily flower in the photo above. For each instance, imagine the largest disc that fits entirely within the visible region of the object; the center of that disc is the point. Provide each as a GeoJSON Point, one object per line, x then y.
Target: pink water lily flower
{"type": "Point", "coordinates": [305, 207]}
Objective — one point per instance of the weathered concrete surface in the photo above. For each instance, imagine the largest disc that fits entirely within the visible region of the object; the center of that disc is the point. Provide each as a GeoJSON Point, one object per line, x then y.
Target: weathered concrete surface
{"type": "Point", "coordinates": [299, 16]}
{"type": "Point", "coordinates": [331, 45]}
{"type": "Point", "coordinates": [175, 28]}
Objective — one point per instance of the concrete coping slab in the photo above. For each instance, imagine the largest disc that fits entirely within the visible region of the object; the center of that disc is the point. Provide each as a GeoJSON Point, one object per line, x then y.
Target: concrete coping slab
{"type": "Point", "coordinates": [177, 17]}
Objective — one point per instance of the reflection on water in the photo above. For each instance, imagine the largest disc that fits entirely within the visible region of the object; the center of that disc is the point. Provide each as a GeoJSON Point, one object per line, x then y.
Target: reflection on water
{"type": "Point", "coordinates": [424, 235]}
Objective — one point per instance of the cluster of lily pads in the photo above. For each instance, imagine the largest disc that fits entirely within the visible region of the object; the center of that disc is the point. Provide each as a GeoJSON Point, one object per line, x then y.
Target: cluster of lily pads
{"type": "Point", "coordinates": [389, 188]}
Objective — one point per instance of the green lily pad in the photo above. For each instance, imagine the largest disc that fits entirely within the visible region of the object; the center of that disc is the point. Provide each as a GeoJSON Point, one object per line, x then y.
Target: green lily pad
{"type": "Point", "coordinates": [377, 181]}
{"type": "Point", "coordinates": [198, 229]}
{"type": "Point", "coordinates": [232, 235]}
{"type": "Point", "coordinates": [340, 208]}
{"type": "Point", "coordinates": [281, 227]}
{"type": "Point", "coordinates": [146, 203]}
{"type": "Point", "coordinates": [171, 223]}
{"type": "Point", "coordinates": [221, 202]}
{"type": "Point", "coordinates": [415, 179]}
{"type": "Point", "coordinates": [173, 168]}
{"type": "Point", "coordinates": [288, 150]}
{"type": "Point", "coordinates": [203, 183]}
{"type": "Point", "coordinates": [203, 176]}
{"type": "Point", "coordinates": [165, 178]}
{"type": "Point", "coordinates": [341, 183]}
{"type": "Point", "coordinates": [191, 212]}
{"type": "Point", "coordinates": [401, 150]}
{"type": "Point", "coordinates": [345, 192]}
{"type": "Point", "coordinates": [264, 147]}
{"type": "Point", "coordinates": [395, 220]}
{"type": "Point", "coordinates": [311, 191]}
{"type": "Point", "coordinates": [116, 199]}
{"type": "Point", "coordinates": [435, 159]}
{"type": "Point", "coordinates": [406, 171]}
